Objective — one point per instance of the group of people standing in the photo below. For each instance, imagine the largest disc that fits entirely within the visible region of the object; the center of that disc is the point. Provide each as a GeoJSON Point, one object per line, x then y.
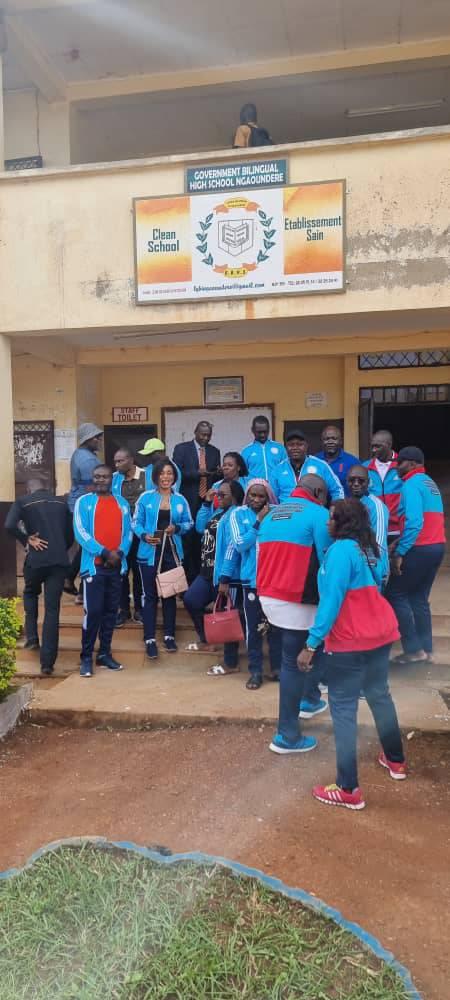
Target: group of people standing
{"type": "Point", "coordinates": [329, 558]}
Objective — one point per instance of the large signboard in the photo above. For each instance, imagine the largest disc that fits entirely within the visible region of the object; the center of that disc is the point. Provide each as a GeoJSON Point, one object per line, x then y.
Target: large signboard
{"type": "Point", "coordinates": [233, 176]}
{"type": "Point", "coordinates": [280, 241]}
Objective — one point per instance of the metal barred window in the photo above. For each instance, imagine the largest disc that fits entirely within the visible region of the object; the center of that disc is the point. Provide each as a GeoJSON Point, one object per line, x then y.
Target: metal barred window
{"type": "Point", "coordinates": [412, 394]}
{"type": "Point", "coordinates": [405, 359]}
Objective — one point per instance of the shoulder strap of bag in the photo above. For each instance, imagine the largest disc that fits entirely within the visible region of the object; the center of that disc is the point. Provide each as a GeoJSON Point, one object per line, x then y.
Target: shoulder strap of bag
{"type": "Point", "coordinates": [174, 552]}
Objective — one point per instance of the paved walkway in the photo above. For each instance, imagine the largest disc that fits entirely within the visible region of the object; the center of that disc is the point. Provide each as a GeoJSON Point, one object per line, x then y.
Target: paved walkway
{"type": "Point", "coordinates": [177, 690]}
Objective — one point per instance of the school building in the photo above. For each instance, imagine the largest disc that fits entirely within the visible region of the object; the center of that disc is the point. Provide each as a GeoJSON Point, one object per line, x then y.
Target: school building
{"type": "Point", "coordinates": [138, 291]}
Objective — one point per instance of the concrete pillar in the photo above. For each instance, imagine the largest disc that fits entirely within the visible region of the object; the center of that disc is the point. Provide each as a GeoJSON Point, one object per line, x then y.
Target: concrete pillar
{"type": "Point", "coordinates": [351, 403]}
{"type": "Point", "coordinates": [2, 128]}
{"type": "Point", "coordinates": [7, 477]}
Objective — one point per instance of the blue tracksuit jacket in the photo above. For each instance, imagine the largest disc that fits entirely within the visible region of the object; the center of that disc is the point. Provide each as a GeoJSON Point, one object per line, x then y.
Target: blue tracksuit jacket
{"type": "Point", "coordinates": [244, 536]}
{"type": "Point", "coordinates": [352, 615]}
{"type": "Point", "coordinates": [340, 466]}
{"type": "Point", "coordinates": [262, 459]}
{"type": "Point", "coordinates": [284, 478]}
{"type": "Point", "coordinates": [379, 520]}
{"type": "Point", "coordinates": [84, 531]}
{"type": "Point", "coordinates": [227, 561]}
{"type": "Point", "coordinates": [145, 522]}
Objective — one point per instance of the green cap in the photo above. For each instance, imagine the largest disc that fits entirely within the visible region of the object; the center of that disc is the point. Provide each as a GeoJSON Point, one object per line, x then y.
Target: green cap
{"type": "Point", "coordinates": [153, 444]}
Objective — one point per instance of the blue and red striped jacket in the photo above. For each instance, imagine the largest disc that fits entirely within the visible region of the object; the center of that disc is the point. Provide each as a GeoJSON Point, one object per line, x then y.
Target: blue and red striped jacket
{"type": "Point", "coordinates": [388, 490]}
{"type": "Point", "coordinates": [422, 512]}
{"type": "Point", "coordinates": [293, 540]}
{"type": "Point", "coordinates": [352, 615]}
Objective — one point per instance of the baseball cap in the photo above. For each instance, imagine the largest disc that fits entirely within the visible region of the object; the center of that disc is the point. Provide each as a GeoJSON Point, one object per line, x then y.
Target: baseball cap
{"type": "Point", "coordinates": [88, 431]}
{"type": "Point", "coordinates": [295, 432]}
{"type": "Point", "coordinates": [411, 454]}
{"type": "Point", "coordinates": [153, 444]}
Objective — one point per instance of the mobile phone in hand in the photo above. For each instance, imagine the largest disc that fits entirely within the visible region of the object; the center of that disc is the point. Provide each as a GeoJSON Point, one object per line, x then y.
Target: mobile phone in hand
{"type": "Point", "coordinates": [158, 533]}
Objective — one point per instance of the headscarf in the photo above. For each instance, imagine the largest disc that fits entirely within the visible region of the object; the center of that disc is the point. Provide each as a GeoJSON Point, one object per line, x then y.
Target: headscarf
{"type": "Point", "coordinates": [262, 482]}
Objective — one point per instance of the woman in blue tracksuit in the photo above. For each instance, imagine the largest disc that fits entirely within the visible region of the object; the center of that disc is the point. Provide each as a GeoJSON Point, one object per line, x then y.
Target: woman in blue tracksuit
{"type": "Point", "coordinates": [245, 522]}
{"type": "Point", "coordinates": [233, 468]}
{"type": "Point", "coordinates": [161, 517]}
{"type": "Point", "coordinates": [219, 567]}
{"type": "Point", "coordinates": [359, 627]}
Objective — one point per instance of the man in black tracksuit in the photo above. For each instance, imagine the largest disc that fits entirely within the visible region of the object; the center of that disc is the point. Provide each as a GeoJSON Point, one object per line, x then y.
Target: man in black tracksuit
{"type": "Point", "coordinates": [43, 525]}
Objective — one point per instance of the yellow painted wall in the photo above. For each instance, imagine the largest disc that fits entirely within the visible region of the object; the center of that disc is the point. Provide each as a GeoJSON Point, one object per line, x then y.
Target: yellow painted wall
{"type": "Point", "coordinates": [42, 391]}
{"type": "Point", "coordinates": [282, 382]}
{"type": "Point", "coordinates": [33, 126]}
{"type": "Point", "coordinates": [68, 237]}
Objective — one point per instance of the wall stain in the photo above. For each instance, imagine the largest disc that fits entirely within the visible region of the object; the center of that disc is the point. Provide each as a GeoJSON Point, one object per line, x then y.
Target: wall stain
{"type": "Point", "coordinates": [398, 274]}
{"type": "Point", "coordinates": [419, 239]}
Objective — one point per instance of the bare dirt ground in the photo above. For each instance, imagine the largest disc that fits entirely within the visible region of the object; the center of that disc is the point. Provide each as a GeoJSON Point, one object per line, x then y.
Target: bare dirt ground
{"type": "Point", "coordinates": [217, 789]}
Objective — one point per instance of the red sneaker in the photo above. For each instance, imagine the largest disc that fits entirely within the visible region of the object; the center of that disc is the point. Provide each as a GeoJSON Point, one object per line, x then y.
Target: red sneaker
{"type": "Point", "coordinates": [332, 795]}
{"type": "Point", "coordinates": [397, 771]}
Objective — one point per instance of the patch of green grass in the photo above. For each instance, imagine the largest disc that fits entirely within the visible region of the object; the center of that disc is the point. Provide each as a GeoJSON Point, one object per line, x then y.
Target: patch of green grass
{"type": "Point", "coordinates": [92, 924]}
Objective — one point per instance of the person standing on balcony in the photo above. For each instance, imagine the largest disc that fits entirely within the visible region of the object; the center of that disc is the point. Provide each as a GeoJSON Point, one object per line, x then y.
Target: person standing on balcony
{"type": "Point", "coordinates": [82, 464]}
{"type": "Point", "coordinates": [417, 556]}
{"type": "Point", "coordinates": [42, 523]}
{"type": "Point", "coordinates": [340, 461]}
{"type": "Point", "coordinates": [249, 133]}
{"type": "Point", "coordinates": [199, 464]}
{"type": "Point", "coordinates": [129, 481]}
{"type": "Point", "coordinates": [384, 480]}
{"type": "Point", "coordinates": [263, 455]}
{"type": "Point", "coordinates": [102, 526]}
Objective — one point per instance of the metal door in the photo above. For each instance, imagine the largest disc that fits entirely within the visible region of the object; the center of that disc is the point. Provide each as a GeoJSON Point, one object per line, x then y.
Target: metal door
{"type": "Point", "coordinates": [34, 455]}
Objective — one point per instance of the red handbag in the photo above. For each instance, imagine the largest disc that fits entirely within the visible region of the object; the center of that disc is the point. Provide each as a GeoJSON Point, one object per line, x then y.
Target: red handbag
{"type": "Point", "coordinates": [223, 625]}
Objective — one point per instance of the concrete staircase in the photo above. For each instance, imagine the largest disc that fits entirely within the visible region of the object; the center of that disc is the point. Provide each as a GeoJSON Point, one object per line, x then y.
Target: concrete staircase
{"type": "Point", "coordinates": [128, 642]}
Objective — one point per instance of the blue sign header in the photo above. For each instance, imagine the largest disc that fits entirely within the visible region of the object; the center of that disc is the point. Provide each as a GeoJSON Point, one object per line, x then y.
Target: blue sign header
{"type": "Point", "coordinates": [237, 176]}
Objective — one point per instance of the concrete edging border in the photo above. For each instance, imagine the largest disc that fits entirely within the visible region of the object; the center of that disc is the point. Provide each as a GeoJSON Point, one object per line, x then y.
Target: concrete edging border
{"type": "Point", "coordinates": [276, 884]}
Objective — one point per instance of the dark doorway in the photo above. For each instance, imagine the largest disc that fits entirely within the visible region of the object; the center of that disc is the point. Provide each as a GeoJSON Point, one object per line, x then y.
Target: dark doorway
{"type": "Point", "coordinates": [312, 430]}
{"type": "Point", "coordinates": [425, 426]}
{"type": "Point", "coordinates": [132, 436]}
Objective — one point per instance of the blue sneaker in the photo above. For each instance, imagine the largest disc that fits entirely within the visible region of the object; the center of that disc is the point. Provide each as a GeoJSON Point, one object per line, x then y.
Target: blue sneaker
{"type": "Point", "coordinates": [310, 708]}
{"type": "Point", "coordinates": [86, 668]}
{"type": "Point", "coordinates": [106, 660]}
{"type": "Point", "coordinates": [302, 745]}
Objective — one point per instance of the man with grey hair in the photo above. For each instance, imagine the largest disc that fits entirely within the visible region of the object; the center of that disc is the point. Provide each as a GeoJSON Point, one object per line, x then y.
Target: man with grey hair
{"type": "Point", "coordinates": [82, 464]}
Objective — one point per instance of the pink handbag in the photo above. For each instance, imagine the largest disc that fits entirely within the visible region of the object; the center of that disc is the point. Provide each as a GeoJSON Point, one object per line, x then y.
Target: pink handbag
{"type": "Point", "coordinates": [223, 625]}
{"type": "Point", "coordinates": [172, 581]}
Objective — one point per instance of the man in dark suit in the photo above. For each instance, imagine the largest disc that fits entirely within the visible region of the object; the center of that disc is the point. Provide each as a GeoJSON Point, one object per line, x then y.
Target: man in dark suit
{"type": "Point", "coordinates": [199, 464]}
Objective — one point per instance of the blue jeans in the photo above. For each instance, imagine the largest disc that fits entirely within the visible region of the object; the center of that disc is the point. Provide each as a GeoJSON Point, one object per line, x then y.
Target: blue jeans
{"type": "Point", "coordinates": [196, 599]}
{"type": "Point", "coordinates": [348, 674]}
{"type": "Point", "coordinates": [101, 597]}
{"type": "Point", "coordinates": [408, 594]}
{"type": "Point", "coordinates": [293, 682]}
{"type": "Point", "coordinates": [254, 616]}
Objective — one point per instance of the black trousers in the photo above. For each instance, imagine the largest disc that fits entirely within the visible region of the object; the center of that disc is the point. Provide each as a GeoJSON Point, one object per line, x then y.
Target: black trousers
{"type": "Point", "coordinates": [101, 598]}
{"type": "Point", "coordinates": [52, 579]}
{"type": "Point", "coordinates": [133, 567]}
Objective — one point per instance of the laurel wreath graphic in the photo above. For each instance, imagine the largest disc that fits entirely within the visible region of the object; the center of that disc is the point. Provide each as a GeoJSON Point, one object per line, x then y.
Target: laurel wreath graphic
{"type": "Point", "coordinates": [268, 240]}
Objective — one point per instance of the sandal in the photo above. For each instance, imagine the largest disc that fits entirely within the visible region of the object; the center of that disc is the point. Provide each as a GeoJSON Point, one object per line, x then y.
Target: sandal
{"type": "Point", "coordinates": [200, 647]}
{"type": "Point", "coordinates": [254, 682]}
{"type": "Point", "coordinates": [403, 659]}
{"type": "Point", "coordinates": [219, 671]}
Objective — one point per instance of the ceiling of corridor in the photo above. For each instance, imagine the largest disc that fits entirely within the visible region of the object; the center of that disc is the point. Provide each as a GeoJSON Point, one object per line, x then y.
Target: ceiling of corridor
{"type": "Point", "coordinates": [94, 39]}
